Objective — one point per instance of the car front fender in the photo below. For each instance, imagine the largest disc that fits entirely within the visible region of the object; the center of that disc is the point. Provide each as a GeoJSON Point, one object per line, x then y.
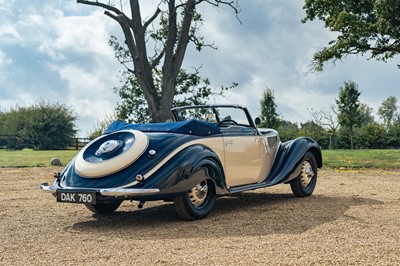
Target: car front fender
{"type": "Point", "coordinates": [289, 157]}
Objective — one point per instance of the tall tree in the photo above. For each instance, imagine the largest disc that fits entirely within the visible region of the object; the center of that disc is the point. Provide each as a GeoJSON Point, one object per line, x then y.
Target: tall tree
{"type": "Point", "coordinates": [190, 89]}
{"type": "Point", "coordinates": [393, 133]}
{"type": "Point", "coordinates": [371, 26]}
{"type": "Point", "coordinates": [327, 118]}
{"type": "Point", "coordinates": [269, 116]}
{"type": "Point", "coordinates": [348, 107]}
{"type": "Point", "coordinates": [366, 116]}
{"type": "Point", "coordinates": [171, 28]}
{"type": "Point", "coordinates": [387, 110]}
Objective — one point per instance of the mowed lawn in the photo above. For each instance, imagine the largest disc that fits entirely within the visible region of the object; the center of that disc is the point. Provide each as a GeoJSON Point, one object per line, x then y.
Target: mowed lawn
{"type": "Point", "coordinates": [354, 159]}
{"type": "Point", "coordinates": [31, 158]}
{"type": "Point", "coordinates": [341, 159]}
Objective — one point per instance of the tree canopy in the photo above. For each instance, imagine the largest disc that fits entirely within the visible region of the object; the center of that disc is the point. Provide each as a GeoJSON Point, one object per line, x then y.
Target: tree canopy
{"type": "Point", "coordinates": [327, 118]}
{"type": "Point", "coordinates": [156, 45]}
{"type": "Point", "coordinates": [269, 116]}
{"type": "Point", "coordinates": [349, 108]}
{"type": "Point", "coordinates": [362, 26]}
{"type": "Point", "coordinates": [388, 109]}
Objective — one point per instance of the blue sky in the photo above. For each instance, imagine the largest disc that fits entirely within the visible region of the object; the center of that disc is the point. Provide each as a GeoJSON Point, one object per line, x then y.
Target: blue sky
{"type": "Point", "coordinates": [57, 51]}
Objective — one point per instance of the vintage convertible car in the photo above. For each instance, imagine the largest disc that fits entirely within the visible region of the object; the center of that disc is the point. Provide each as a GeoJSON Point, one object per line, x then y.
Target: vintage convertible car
{"type": "Point", "coordinates": [209, 151]}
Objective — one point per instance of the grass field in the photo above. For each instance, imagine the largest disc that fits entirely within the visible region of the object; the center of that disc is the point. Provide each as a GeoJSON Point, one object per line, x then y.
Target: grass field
{"type": "Point", "coordinates": [30, 158]}
{"type": "Point", "coordinates": [345, 159]}
{"type": "Point", "coordinates": [342, 159]}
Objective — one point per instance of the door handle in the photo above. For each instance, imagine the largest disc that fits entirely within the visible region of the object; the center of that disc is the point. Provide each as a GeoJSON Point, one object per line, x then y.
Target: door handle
{"type": "Point", "coordinates": [230, 142]}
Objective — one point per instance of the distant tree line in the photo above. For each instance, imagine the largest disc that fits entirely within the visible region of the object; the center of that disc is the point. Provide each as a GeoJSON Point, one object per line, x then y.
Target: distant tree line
{"type": "Point", "coordinates": [42, 126]}
{"type": "Point", "coordinates": [346, 124]}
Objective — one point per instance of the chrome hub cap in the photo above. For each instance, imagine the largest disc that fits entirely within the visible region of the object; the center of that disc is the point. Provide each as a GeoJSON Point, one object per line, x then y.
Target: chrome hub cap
{"type": "Point", "coordinates": [198, 194]}
{"type": "Point", "coordinates": [108, 147]}
{"type": "Point", "coordinates": [307, 173]}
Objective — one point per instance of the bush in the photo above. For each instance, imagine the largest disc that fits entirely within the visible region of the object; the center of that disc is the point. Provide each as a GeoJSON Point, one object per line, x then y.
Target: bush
{"type": "Point", "coordinates": [43, 126]}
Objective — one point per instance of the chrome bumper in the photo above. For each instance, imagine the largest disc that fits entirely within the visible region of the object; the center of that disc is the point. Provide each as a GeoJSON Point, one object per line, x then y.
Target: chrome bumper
{"type": "Point", "coordinates": [120, 192]}
{"type": "Point", "coordinates": [111, 192]}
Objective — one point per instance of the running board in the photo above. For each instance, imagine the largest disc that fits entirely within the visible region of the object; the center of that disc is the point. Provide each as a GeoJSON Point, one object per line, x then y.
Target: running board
{"type": "Point", "coordinates": [248, 187]}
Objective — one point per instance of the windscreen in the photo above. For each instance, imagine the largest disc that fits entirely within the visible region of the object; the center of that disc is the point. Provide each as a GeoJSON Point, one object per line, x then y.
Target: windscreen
{"type": "Point", "coordinates": [214, 114]}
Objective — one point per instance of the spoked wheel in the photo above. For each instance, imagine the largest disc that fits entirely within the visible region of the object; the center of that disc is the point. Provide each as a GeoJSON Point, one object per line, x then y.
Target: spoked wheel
{"type": "Point", "coordinates": [103, 207]}
{"type": "Point", "coordinates": [197, 203]}
{"type": "Point", "coordinates": [304, 184]}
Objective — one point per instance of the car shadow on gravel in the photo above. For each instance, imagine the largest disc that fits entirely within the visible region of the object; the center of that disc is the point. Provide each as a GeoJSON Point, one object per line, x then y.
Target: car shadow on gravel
{"type": "Point", "coordinates": [245, 214]}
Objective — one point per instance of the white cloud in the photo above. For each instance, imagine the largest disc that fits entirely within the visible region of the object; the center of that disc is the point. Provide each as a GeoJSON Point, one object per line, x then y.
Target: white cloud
{"type": "Point", "coordinates": [273, 49]}
{"type": "Point", "coordinates": [58, 51]}
{"type": "Point", "coordinates": [4, 60]}
{"type": "Point", "coordinates": [9, 34]}
{"type": "Point", "coordinates": [59, 58]}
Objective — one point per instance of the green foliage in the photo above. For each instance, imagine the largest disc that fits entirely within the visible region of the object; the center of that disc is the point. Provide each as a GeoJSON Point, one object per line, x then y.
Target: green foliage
{"type": "Point", "coordinates": [316, 132]}
{"type": "Point", "coordinates": [346, 125]}
{"type": "Point", "coordinates": [269, 116]}
{"type": "Point", "coordinates": [287, 130]}
{"type": "Point", "coordinates": [370, 136]}
{"type": "Point", "coordinates": [190, 89]}
{"type": "Point", "coordinates": [371, 26]}
{"type": "Point", "coordinates": [101, 126]}
{"type": "Point", "coordinates": [133, 106]}
{"type": "Point", "coordinates": [388, 110]}
{"type": "Point", "coordinates": [155, 48]}
{"type": "Point", "coordinates": [353, 159]}
{"type": "Point", "coordinates": [42, 126]}
{"type": "Point", "coordinates": [393, 135]}
{"type": "Point", "coordinates": [366, 114]}
{"type": "Point", "coordinates": [327, 118]}
{"type": "Point", "coordinates": [345, 159]}
{"type": "Point", "coordinates": [348, 104]}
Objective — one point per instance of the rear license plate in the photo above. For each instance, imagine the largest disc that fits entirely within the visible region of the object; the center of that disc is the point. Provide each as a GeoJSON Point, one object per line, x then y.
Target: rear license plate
{"type": "Point", "coordinates": [76, 197]}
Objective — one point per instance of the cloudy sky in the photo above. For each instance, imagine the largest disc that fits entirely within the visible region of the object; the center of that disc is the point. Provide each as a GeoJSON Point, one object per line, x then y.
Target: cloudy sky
{"type": "Point", "coordinates": [57, 51]}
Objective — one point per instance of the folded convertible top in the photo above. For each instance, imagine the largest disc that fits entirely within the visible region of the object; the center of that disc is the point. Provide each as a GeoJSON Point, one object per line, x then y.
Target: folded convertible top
{"type": "Point", "coordinates": [191, 127]}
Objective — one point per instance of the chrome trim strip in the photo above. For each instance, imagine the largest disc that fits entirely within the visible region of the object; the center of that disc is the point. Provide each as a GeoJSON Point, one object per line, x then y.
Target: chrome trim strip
{"type": "Point", "coordinates": [118, 192]}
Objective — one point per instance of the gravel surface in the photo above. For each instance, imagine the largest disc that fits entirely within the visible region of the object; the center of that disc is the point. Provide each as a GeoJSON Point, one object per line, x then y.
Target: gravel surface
{"type": "Point", "coordinates": [353, 218]}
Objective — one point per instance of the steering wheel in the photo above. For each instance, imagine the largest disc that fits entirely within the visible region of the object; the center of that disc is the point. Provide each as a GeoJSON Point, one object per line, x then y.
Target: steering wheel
{"type": "Point", "coordinates": [233, 122]}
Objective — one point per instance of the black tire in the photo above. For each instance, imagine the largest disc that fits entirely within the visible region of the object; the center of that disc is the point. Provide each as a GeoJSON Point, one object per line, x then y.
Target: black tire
{"type": "Point", "coordinates": [197, 203]}
{"type": "Point", "coordinates": [104, 207]}
{"type": "Point", "coordinates": [304, 184]}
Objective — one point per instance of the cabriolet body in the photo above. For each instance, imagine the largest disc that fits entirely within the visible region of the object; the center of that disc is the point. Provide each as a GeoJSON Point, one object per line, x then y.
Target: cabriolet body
{"type": "Point", "coordinates": [207, 152]}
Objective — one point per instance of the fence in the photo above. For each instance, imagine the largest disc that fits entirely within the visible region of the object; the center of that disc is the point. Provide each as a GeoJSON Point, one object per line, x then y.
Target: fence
{"type": "Point", "coordinates": [79, 143]}
{"type": "Point", "coordinates": [7, 141]}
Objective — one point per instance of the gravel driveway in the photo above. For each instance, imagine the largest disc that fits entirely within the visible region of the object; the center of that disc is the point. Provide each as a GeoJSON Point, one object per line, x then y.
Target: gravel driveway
{"type": "Point", "coordinates": [353, 218]}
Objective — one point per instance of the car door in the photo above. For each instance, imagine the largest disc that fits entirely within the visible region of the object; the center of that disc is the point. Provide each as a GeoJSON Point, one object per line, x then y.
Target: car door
{"type": "Point", "coordinates": [245, 156]}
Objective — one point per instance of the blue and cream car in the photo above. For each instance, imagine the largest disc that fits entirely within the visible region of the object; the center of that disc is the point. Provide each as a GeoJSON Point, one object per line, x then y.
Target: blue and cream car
{"type": "Point", "coordinates": [209, 151]}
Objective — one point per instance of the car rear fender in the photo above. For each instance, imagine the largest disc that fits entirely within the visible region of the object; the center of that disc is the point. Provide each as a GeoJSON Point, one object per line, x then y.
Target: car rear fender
{"type": "Point", "coordinates": [188, 168]}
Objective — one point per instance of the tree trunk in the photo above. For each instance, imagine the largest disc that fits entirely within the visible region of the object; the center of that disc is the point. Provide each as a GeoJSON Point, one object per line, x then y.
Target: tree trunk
{"type": "Point", "coordinates": [134, 29]}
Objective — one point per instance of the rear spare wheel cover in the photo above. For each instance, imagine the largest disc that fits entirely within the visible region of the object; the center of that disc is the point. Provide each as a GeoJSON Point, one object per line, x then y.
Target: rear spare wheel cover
{"type": "Point", "coordinates": [110, 153]}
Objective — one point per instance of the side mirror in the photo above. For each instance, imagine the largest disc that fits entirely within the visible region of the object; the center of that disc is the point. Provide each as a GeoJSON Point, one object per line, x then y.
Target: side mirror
{"type": "Point", "coordinates": [257, 121]}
